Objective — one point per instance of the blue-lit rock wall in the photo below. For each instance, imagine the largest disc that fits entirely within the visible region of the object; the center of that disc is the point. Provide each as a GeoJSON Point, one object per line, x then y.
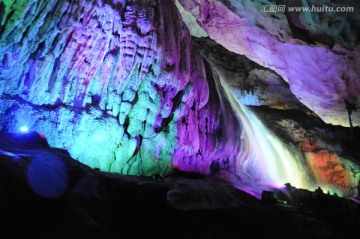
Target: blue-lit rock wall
{"type": "Point", "coordinates": [118, 84]}
{"type": "Point", "coordinates": [102, 79]}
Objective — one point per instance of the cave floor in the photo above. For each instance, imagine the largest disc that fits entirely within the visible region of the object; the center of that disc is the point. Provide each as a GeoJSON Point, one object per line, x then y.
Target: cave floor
{"type": "Point", "coordinates": [94, 204]}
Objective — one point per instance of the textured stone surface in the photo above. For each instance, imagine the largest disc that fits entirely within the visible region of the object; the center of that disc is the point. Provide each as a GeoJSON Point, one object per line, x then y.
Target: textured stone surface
{"type": "Point", "coordinates": [107, 80]}
{"type": "Point", "coordinates": [322, 76]}
{"type": "Point", "coordinates": [252, 84]}
{"type": "Point", "coordinates": [122, 86]}
{"type": "Point", "coordinates": [331, 152]}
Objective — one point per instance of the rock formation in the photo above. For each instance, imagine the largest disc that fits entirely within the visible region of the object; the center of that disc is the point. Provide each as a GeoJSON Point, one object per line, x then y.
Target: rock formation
{"type": "Point", "coordinates": [321, 69]}
{"type": "Point", "coordinates": [107, 80]}
{"type": "Point", "coordinates": [143, 87]}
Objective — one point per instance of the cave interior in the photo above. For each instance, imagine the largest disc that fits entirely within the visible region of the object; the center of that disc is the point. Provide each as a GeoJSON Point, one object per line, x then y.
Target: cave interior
{"type": "Point", "coordinates": [179, 118]}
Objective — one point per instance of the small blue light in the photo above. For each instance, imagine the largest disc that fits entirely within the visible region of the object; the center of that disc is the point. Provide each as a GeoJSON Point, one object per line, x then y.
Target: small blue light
{"type": "Point", "coordinates": [24, 129]}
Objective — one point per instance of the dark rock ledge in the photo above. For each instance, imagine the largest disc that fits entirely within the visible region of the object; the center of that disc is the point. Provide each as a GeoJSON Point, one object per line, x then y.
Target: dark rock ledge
{"type": "Point", "coordinates": [44, 193]}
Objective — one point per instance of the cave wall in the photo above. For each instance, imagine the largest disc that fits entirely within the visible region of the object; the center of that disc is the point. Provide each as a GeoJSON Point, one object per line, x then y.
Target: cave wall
{"type": "Point", "coordinates": [116, 83]}
{"type": "Point", "coordinates": [303, 61]}
{"type": "Point", "coordinates": [329, 152]}
{"type": "Point", "coordinates": [316, 53]}
{"type": "Point", "coordinates": [124, 87]}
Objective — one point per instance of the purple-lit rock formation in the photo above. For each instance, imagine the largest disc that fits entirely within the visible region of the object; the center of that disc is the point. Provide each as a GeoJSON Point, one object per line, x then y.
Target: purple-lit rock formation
{"type": "Point", "coordinates": [117, 84]}
{"type": "Point", "coordinates": [322, 77]}
{"type": "Point", "coordinates": [252, 84]}
{"type": "Point", "coordinates": [330, 152]}
{"type": "Point", "coordinates": [125, 87]}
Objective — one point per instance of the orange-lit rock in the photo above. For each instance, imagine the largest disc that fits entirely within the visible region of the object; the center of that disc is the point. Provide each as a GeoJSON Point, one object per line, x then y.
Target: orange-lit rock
{"type": "Point", "coordinates": [328, 169]}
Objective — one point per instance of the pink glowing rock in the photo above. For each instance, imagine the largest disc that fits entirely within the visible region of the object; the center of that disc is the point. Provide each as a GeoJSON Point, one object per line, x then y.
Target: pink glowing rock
{"type": "Point", "coordinates": [320, 77]}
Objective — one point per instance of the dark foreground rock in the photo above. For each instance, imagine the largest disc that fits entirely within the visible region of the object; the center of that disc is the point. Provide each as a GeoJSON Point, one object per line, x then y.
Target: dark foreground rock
{"type": "Point", "coordinates": [44, 193]}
